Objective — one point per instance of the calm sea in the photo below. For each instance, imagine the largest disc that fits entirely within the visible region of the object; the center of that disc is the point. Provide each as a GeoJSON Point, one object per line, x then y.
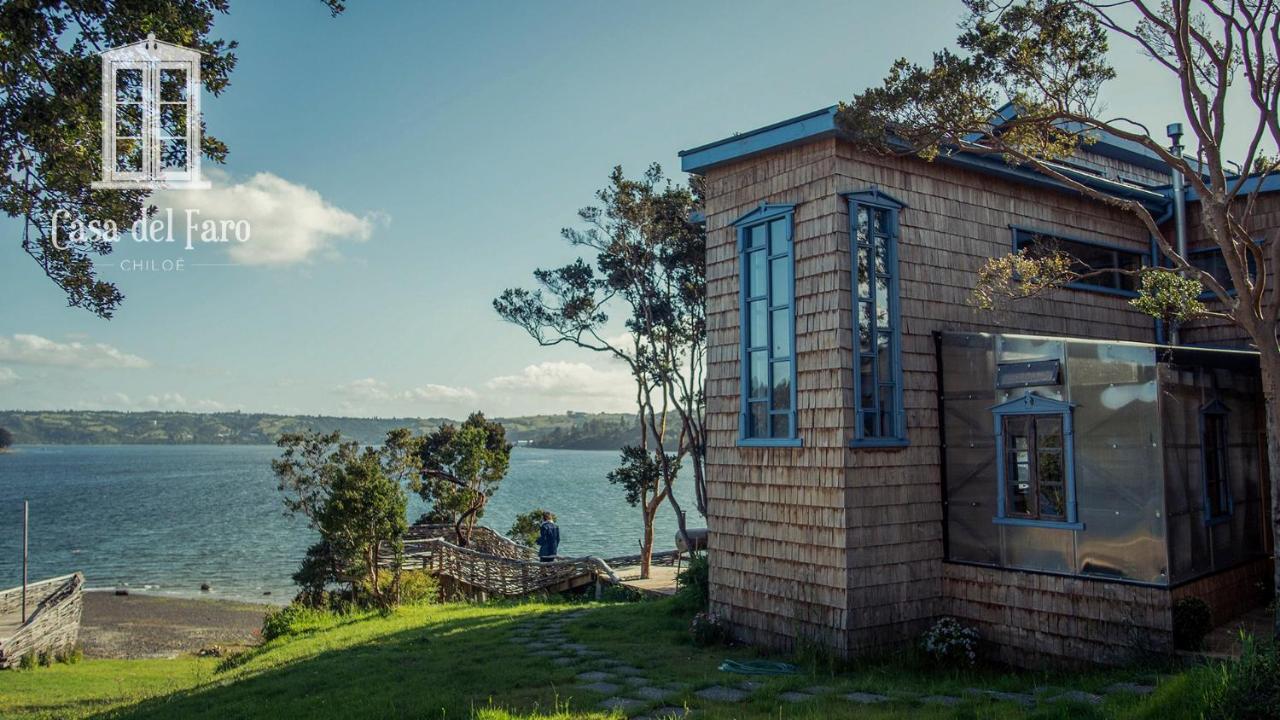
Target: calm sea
{"type": "Point", "coordinates": [164, 519]}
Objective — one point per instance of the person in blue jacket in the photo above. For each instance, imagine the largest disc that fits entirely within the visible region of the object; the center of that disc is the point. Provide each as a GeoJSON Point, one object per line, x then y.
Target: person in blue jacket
{"type": "Point", "coordinates": [548, 539]}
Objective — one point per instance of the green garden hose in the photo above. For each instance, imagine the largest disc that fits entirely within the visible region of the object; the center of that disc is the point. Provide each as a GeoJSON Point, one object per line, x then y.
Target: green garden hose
{"type": "Point", "coordinates": [758, 667]}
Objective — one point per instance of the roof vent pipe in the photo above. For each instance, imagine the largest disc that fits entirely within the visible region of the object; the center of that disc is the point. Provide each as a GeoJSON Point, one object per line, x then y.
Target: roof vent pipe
{"type": "Point", "coordinates": [1179, 205]}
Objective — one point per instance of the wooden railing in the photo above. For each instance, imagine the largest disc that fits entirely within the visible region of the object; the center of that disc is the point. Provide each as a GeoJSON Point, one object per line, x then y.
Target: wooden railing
{"type": "Point", "coordinates": [52, 623]}
{"type": "Point", "coordinates": [494, 564]}
{"type": "Point", "coordinates": [504, 576]}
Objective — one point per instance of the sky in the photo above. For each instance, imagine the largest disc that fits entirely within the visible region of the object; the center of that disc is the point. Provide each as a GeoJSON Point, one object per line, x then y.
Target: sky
{"type": "Point", "coordinates": [403, 163]}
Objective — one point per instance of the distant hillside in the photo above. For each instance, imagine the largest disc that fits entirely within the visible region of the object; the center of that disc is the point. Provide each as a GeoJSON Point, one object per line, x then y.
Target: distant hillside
{"type": "Point", "coordinates": [583, 431]}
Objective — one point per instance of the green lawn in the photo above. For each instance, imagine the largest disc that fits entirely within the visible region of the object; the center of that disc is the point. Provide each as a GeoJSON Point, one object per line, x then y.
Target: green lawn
{"type": "Point", "coordinates": [458, 661]}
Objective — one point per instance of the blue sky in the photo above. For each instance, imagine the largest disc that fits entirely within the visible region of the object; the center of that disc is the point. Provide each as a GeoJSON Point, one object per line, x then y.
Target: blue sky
{"type": "Point", "coordinates": [422, 157]}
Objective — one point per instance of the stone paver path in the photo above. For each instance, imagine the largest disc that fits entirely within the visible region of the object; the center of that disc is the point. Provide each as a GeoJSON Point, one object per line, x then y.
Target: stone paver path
{"type": "Point", "coordinates": [719, 693]}
{"type": "Point", "coordinates": [632, 691]}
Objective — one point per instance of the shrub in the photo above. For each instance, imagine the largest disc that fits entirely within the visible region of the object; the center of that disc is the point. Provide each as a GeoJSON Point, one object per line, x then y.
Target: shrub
{"type": "Point", "coordinates": [1248, 688]}
{"type": "Point", "coordinates": [708, 629]}
{"type": "Point", "coordinates": [419, 586]}
{"type": "Point", "coordinates": [527, 527]}
{"type": "Point", "coordinates": [620, 593]}
{"type": "Point", "coordinates": [46, 658]}
{"type": "Point", "coordinates": [27, 662]}
{"type": "Point", "coordinates": [290, 620]}
{"type": "Point", "coordinates": [70, 656]}
{"type": "Point", "coordinates": [950, 643]}
{"type": "Point", "coordinates": [1192, 621]}
{"type": "Point", "coordinates": [695, 584]}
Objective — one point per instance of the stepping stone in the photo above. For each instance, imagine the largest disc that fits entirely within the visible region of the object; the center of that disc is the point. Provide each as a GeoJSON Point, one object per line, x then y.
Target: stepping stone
{"type": "Point", "coordinates": [651, 694]}
{"type": "Point", "coordinates": [866, 698]}
{"type": "Point", "coordinates": [1127, 687]}
{"type": "Point", "coordinates": [1017, 698]}
{"type": "Point", "coordinates": [563, 661]}
{"type": "Point", "coordinates": [636, 681]}
{"type": "Point", "coordinates": [590, 653]}
{"type": "Point", "coordinates": [576, 647]}
{"type": "Point", "coordinates": [628, 670]}
{"type": "Point", "coordinates": [603, 688]}
{"type": "Point", "coordinates": [719, 693]}
{"type": "Point", "coordinates": [594, 676]}
{"type": "Point", "coordinates": [622, 704]}
{"type": "Point", "coordinates": [794, 697]}
{"type": "Point", "coordinates": [1077, 696]}
{"type": "Point", "coordinates": [751, 685]}
{"type": "Point", "coordinates": [817, 690]}
{"type": "Point", "coordinates": [605, 662]}
{"type": "Point", "coordinates": [546, 653]}
{"type": "Point", "coordinates": [940, 700]}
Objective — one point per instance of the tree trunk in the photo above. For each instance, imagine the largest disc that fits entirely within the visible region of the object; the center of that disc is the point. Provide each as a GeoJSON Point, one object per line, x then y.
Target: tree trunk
{"type": "Point", "coordinates": [646, 542]}
{"type": "Point", "coordinates": [1270, 363]}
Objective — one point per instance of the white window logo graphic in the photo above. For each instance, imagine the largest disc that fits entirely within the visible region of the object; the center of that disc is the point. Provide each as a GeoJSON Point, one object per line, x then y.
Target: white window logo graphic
{"type": "Point", "coordinates": [151, 117]}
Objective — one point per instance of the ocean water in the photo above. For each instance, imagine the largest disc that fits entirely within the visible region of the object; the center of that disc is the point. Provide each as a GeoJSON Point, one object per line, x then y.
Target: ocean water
{"type": "Point", "coordinates": [165, 518]}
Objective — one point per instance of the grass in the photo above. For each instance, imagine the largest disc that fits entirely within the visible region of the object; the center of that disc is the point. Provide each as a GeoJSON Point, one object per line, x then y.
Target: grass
{"type": "Point", "coordinates": [455, 661]}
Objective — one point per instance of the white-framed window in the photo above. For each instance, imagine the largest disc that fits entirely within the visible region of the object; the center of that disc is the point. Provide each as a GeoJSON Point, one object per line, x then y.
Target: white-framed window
{"type": "Point", "coordinates": [150, 116]}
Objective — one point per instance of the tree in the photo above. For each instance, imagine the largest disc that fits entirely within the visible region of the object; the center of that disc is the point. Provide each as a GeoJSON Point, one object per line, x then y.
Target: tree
{"type": "Point", "coordinates": [648, 262]}
{"type": "Point", "coordinates": [354, 498]}
{"type": "Point", "coordinates": [6, 438]}
{"type": "Point", "coordinates": [1048, 60]}
{"type": "Point", "coordinates": [461, 468]}
{"type": "Point", "coordinates": [50, 122]}
{"type": "Point", "coordinates": [527, 527]}
{"type": "Point", "coordinates": [640, 474]}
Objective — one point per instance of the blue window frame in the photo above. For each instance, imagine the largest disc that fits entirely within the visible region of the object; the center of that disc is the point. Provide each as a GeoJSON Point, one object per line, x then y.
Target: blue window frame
{"type": "Point", "coordinates": [1035, 463]}
{"type": "Point", "coordinates": [1210, 260]}
{"type": "Point", "coordinates": [879, 418]}
{"type": "Point", "coordinates": [1215, 472]}
{"type": "Point", "coordinates": [1089, 255]}
{"type": "Point", "coordinates": [767, 329]}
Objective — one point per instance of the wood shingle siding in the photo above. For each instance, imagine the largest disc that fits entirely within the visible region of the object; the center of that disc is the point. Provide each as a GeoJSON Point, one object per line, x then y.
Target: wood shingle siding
{"type": "Point", "coordinates": [844, 546]}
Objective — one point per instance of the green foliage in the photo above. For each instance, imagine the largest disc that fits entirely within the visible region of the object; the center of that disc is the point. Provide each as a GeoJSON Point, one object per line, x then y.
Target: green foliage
{"type": "Point", "coordinates": [948, 643]}
{"type": "Point", "coordinates": [419, 586]}
{"type": "Point", "coordinates": [640, 474]}
{"type": "Point", "coordinates": [461, 468]}
{"type": "Point", "coordinates": [620, 594]}
{"type": "Point", "coordinates": [291, 620]}
{"type": "Point", "coordinates": [45, 658]}
{"type": "Point", "coordinates": [1023, 274]}
{"type": "Point", "coordinates": [69, 656]}
{"type": "Point", "coordinates": [27, 661]}
{"type": "Point", "coordinates": [694, 594]}
{"type": "Point", "coordinates": [708, 629]}
{"type": "Point", "coordinates": [354, 498]}
{"type": "Point", "coordinates": [1192, 621]}
{"type": "Point", "coordinates": [1046, 57]}
{"type": "Point", "coordinates": [1166, 295]}
{"type": "Point", "coordinates": [6, 438]}
{"type": "Point", "coordinates": [527, 527]}
{"type": "Point", "coordinates": [1248, 688]}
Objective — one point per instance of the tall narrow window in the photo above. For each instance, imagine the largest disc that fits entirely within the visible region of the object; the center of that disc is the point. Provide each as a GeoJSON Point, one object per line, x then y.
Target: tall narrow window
{"type": "Point", "coordinates": [877, 369]}
{"type": "Point", "coordinates": [1034, 463]}
{"type": "Point", "coordinates": [768, 415]}
{"type": "Point", "coordinates": [1213, 462]}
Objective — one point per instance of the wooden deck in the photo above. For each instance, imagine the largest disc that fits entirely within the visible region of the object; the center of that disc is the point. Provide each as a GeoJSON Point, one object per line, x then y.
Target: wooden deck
{"type": "Point", "coordinates": [661, 582]}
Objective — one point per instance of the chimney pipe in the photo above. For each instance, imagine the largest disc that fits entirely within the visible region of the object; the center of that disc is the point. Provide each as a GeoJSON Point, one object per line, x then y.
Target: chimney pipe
{"type": "Point", "coordinates": [1179, 205]}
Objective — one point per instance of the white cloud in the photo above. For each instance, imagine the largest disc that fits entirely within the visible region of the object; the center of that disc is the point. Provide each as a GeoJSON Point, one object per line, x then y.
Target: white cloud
{"type": "Point", "coordinates": [439, 392]}
{"type": "Point", "coordinates": [161, 401]}
{"type": "Point", "coordinates": [7, 375]}
{"type": "Point", "coordinates": [370, 389]}
{"type": "Point", "coordinates": [36, 350]}
{"type": "Point", "coordinates": [570, 381]}
{"type": "Point", "coordinates": [289, 223]}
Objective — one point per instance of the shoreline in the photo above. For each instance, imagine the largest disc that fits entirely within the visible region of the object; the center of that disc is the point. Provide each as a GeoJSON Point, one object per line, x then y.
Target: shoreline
{"type": "Point", "coordinates": [141, 625]}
